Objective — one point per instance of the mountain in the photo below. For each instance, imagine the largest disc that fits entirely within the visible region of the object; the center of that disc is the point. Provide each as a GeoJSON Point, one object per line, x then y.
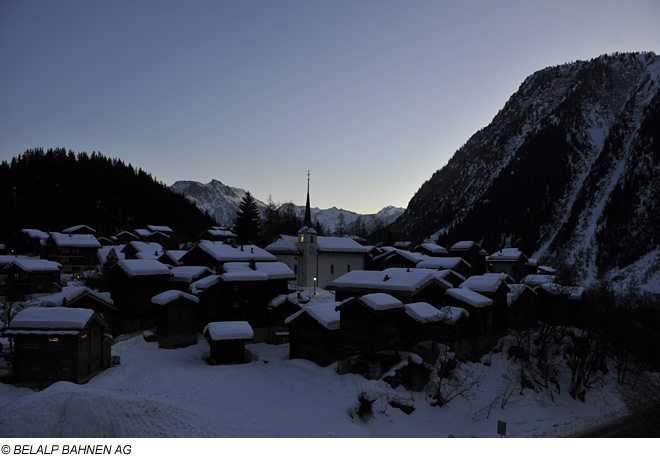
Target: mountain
{"type": "Point", "coordinates": [221, 201]}
{"type": "Point", "coordinates": [56, 189]}
{"type": "Point", "coordinates": [568, 171]}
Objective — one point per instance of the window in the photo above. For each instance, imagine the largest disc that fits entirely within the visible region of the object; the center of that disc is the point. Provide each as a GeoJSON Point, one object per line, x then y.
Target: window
{"type": "Point", "coordinates": [332, 269]}
{"type": "Point", "coordinates": [302, 238]}
{"type": "Point", "coordinates": [295, 269]}
{"type": "Point", "coordinates": [348, 268]}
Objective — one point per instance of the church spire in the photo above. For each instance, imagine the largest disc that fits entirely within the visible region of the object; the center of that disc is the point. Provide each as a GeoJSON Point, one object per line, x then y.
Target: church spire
{"type": "Point", "coordinates": [308, 210]}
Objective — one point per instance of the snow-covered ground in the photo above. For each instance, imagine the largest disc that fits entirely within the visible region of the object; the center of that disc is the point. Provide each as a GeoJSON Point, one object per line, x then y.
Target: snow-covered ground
{"type": "Point", "coordinates": [175, 393]}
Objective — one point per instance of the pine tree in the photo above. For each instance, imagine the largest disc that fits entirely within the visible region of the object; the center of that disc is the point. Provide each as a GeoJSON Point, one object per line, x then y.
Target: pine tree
{"type": "Point", "coordinates": [247, 222]}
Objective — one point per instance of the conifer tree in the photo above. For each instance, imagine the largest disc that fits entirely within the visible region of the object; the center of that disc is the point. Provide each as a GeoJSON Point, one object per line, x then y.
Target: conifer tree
{"type": "Point", "coordinates": [247, 222]}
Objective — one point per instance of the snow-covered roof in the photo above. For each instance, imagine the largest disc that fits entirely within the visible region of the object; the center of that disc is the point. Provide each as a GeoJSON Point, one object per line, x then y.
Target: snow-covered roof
{"type": "Point", "coordinates": [537, 280]}
{"type": "Point", "coordinates": [546, 269]}
{"type": "Point", "coordinates": [241, 271]}
{"type": "Point", "coordinates": [469, 296]}
{"type": "Point", "coordinates": [75, 228]}
{"type": "Point", "coordinates": [464, 245]}
{"type": "Point", "coordinates": [413, 257]}
{"type": "Point", "coordinates": [143, 232]}
{"type": "Point", "coordinates": [104, 251]}
{"type": "Point", "coordinates": [437, 274]}
{"type": "Point", "coordinates": [188, 273]}
{"type": "Point", "coordinates": [50, 318]}
{"type": "Point", "coordinates": [450, 315]}
{"type": "Point", "coordinates": [340, 244]}
{"type": "Point", "coordinates": [488, 282]}
{"type": "Point", "coordinates": [323, 313]}
{"type": "Point", "coordinates": [160, 228]}
{"type": "Point", "coordinates": [142, 246]}
{"type": "Point", "coordinates": [433, 248]}
{"type": "Point", "coordinates": [442, 263]}
{"type": "Point", "coordinates": [380, 302]}
{"type": "Point", "coordinates": [34, 233]}
{"type": "Point", "coordinates": [221, 233]}
{"type": "Point", "coordinates": [75, 240]}
{"type": "Point", "coordinates": [507, 255]}
{"type": "Point", "coordinates": [280, 299]}
{"type": "Point", "coordinates": [285, 244]}
{"type": "Point", "coordinates": [226, 253]}
{"type": "Point", "coordinates": [73, 293]}
{"type": "Point", "coordinates": [229, 330]}
{"type": "Point", "coordinates": [170, 296]}
{"type": "Point", "coordinates": [6, 259]}
{"type": "Point", "coordinates": [174, 254]}
{"type": "Point", "coordinates": [422, 312]}
{"type": "Point", "coordinates": [35, 265]}
{"type": "Point", "coordinates": [407, 281]}
{"type": "Point", "coordinates": [141, 267]}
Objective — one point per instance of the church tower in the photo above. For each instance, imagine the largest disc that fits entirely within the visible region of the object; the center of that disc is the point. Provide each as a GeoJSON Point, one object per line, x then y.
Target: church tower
{"type": "Point", "coordinates": [308, 246]}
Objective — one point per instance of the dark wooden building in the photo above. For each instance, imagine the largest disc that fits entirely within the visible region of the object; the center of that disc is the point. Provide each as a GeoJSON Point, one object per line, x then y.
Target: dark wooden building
{"type": "Point", "coordinates": [75, 252]}
{"type": "Point", "coordinates": [132, 284]}
{"type": "Point", "coordinates": [510, 261]}
{"type": "Point", "coordinates": [82, 297]}
{"type": "Point", "coordinates": [31, 276]}
{"type": "Point", "coordinates": [314, 334]}
{"type": "Point", "coordinates": [177, 318]}
{"type": "Point", "coordinates": [28, 241]}
{"type": "Point", "coordinates": [227, 341]}
{"type": "Point", "coordinates": [472, 253]}
{"type": "Point", "coordinates": [370, 323]}
{"type": "Point", "coordinates": [59, 343]}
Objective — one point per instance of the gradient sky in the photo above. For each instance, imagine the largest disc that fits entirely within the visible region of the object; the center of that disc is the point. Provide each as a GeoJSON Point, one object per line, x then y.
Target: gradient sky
{"type": "Point", "coordinates": [371, 96]}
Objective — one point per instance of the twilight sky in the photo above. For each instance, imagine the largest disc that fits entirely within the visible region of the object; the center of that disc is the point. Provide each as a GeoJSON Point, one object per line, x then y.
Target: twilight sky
{"type": "Point", "coordinates": [372, 96]}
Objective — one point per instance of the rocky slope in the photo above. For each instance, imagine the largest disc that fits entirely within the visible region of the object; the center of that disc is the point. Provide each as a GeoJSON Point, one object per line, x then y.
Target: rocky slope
{"type": "Point", "coordinates": [568, 171]}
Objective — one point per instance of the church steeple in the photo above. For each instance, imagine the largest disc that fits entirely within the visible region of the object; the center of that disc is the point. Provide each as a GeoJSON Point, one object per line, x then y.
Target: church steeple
{"type": "Point", "coordinates": [308, 210]}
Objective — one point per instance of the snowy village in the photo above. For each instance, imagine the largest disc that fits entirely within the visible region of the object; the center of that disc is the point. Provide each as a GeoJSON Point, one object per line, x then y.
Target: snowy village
{"type": "Point", "coordinates": [415, 320]}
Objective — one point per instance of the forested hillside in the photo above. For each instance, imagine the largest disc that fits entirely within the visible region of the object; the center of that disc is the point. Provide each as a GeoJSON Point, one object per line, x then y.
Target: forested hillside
{"type": "Point", "coordinates": [56, 189]}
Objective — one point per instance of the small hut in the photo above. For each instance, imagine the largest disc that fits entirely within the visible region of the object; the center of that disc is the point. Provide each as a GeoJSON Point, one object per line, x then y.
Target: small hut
{"type": "Point", "coordinates": [177, 317]}
{"type": "Point", "coordinates": [314, 333]}
{"type": "Point", "coordinates": [279, 309]}
{"type": "Point", "coordinates": [227, 341]}
{"type": "Point", "coordinates": [59, 343]}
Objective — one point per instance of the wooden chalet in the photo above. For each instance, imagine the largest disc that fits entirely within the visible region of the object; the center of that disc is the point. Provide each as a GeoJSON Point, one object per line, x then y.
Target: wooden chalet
{"type": "Point", "coordinates": [369, 324]}
{"type": "Point", "coordinates": [177, 319]}
{"type": "Point", "coordinates": [183, 276]}
{"type": "Point", "coordinates": [472, 253]}
{"type": "Point", "coordinates": [396, 258]}
{"type": "Point", "coordinates": [431, 250]}
{"type": "Point", "coordinates": [31, 276]}
{"type": "Point", "coordinates": [164, 239]}
{"type": "Point", "coordinates": [214, 255]}
{"type": "Point", "coordinates": [28, 241]}
{"type": "Point", "coordinates": [243, 292]}
{"type": "Point", "coordinates": [493, 286]}
{"type": "Point", "coordinates": [509, 261]}
{"type": "Point", "coordinates": [59, 343]}
{"type": "Point", "coordinates": [126, 237]}
{"type": "Point", "coordinates": [456, 264]}
{"type": "Point", "coordinates": [227, 341]}
{"type": "Point", "coordinates": [407, 285]}
{"type": "Point", "coordinates": [142, 250]}
{"type": "Point", "coordinates": [80, 230]}
{"type": "Point", "coordinates": [82, 297]}
{"type": "Point", "coordinates": [74, 251]}
{"type": "Point", "coordinates": [314, 333]}
{"type": "Point", "coordinates": [132, 284]}
{"type": "Point", "coordinates": [416, 325]}
{"type": "Point", "coordinates": [279, 309]}
{"type": "Point", "coordinates": [221, 234]}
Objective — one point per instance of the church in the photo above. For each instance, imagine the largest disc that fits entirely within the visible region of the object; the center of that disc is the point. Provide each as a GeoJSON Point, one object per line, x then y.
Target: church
{"type": "Point", "coordinates": [317, 260]}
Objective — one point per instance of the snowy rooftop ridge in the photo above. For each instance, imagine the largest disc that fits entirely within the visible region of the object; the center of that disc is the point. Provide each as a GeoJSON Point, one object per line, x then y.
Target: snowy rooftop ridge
{"type": "Point", "coordinates": [50, 318]}
{"type": "Point", "coordinates": [229, 330]}
{"type": "Point", "coordinates": [203, 284]}
{"type": "Point", "coordinates": [35, 265]}
{"type": "Point", "coordinates": [263, 271]}
{"type": "Point", "coordinates": [488, 282]}
{"type": "Point", "coordinates": [75, 240]}
{"type": "Point", "coordinates": [187, 273]}
{"type": "Point", "coordinates": [442, 263]}
{"type": "Point", "coordinates": [422, 312]}
{"type": "Point", "coordinates": [323, 313]}
{"type": "Point", "coordinates": [227, 253]}
{"type": "Point", "coordinates": [71, 294]}
{"type": "Point", "coordinates": [170, 296]}
{"type": "Point", "coordinates": [143, 267]}
{"type": "Point", "coordinates": [390, 281]}
{"type": "Point", "coordinates": [470, 297]}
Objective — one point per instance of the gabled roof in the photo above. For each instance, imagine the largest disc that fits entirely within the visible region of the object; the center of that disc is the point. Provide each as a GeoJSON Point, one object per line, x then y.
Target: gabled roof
{"type": "Point", "coordinates": [141, 267]}
{"type": "Point", "coordinates": [571, 292]}
{"type": "Point", "coordinates": [488, 283]}
{"type": "Point", "coordinates": [226, 253]}
{"type": "Point", "coordinates": [74, 240]}
{"type": "Point", "coordinates": [464, 246]}
{"type": "Point", "coordinates": [160, 228]}
{"type": "Point", "coordinates": [537, 280]}
{"type": "Point", "coordinates": [242, 271]}
{"type": "Point", "coordinates": [443, 263]}
{"type": "Point", "coordinates": [229, 330]}
{"type": "Point", "coordinates": [34, 234]}
{"type": "Point", "coordinates": [413, 257]}
{"type": "Point", "coordinates": [340, 244]}
{"type": "Point", "coordinates": [470, 297]}
{"type": "Point", "coordinates": [377, 302]}
{"type": "Point", "coordinates": [35, 265]}
{"type": "Point", "coordinates": [189, 273]}
{"type": "Point", "coordinates": [78, 228]}
{"type": "Point", "coordinates": [403, 281]}
{"type": "Point", "coordinates": [141, 246]}
{"type": "Point", "coordinates": [516, 291]}
{"type": "Point", "coordinates": [62, 320]}
{"type": "Point", "coordinates": [205, 283]}
{"type": "Point", "coordinates": [325, 314]}
{"type": "Point", "coordinates": [170, 296]}
{"type": "Point", "coordinates": [507, 255]}
{"type": "Point", "coordinates": [431, 248]}
{"type": "Point", "coordinates": [72, 293]}
{"type": "Point", "coordinates": [281, 299]}
{"type": "Point", "coordinates": [285, 244]}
